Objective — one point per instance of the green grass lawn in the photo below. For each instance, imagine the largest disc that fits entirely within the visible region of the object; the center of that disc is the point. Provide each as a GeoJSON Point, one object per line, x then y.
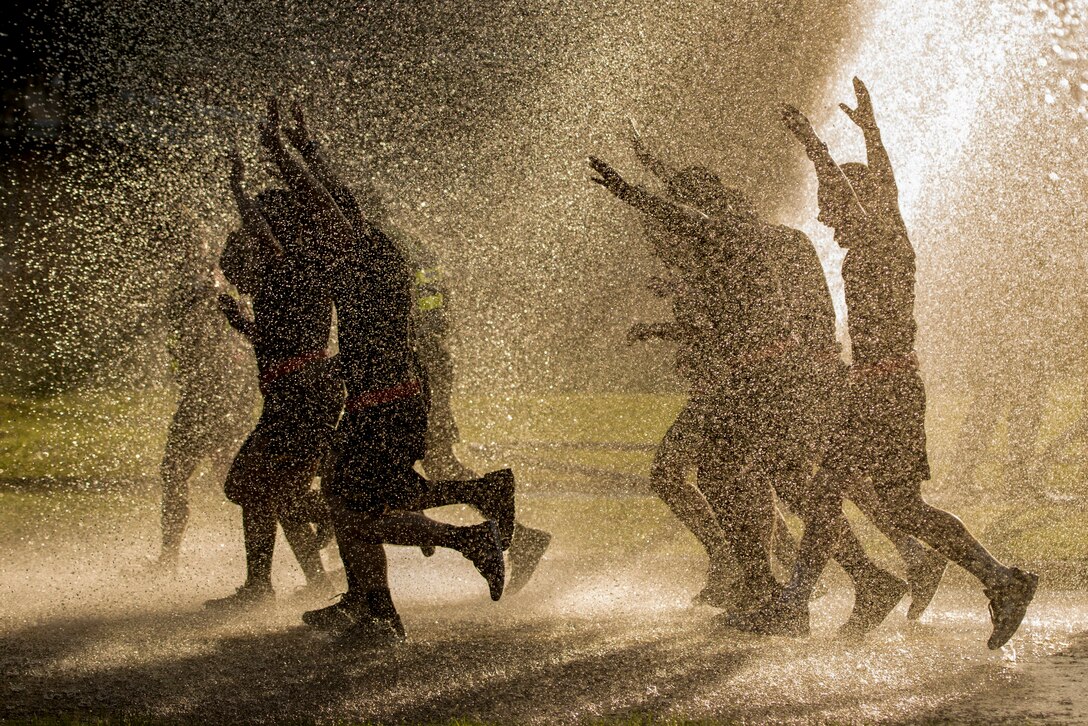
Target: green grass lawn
{"type": "Point", "coordinates": [93, 443]}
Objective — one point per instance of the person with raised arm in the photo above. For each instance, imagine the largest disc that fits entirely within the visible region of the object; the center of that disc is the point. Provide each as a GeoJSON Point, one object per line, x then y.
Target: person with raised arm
{"type": "Point", "coordinates": [755, 449]}
{"type": "Point", "coordinates": [292, 317]}
{"type": "Point", "coordinates": [372, 488]}
{"type": "Point", "coordinates": [883, 436]}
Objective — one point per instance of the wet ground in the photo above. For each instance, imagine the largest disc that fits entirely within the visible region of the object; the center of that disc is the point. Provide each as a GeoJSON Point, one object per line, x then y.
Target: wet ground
{"type": "Point", "coordinates": [596, 635]}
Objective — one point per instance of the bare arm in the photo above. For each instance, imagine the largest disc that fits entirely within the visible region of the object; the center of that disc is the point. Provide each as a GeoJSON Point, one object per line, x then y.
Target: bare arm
{"type": "Point", "coordinates": [309, 191]}
{"type": "Point", "coordinates": [676, 217]}
{"type": "Point", "coordinates": [253, 221]}
{"type": "Point", "coordinates": [310, 151]}
{"type": "Point", "coordinates": [654, 164]}
{"type": "Point", "coordinates": [237, 319]}
{"type": "Point", "coordinates": [876, 155]}
{"type": "Point", "coordinates": [837, 197]}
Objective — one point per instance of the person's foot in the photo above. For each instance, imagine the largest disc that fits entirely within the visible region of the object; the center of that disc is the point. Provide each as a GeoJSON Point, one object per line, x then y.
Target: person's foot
{"type": "Point", "coordinates": [483, 548]}
{"type": "Point", "coordinates": [370, 632]}
{"type": "Point", "coordinates": [526, 550]}
{"type": "Point", "coordinates": [322, 587]}
{"type": "Point", "coordinates": [1008, 604]}
{"type": "Point", "coordinates": [719, 590]}
{"type": "Point", "coordinates": [339, 616]}
{"type": "Point", "coordinates": [494, 499]}
{"type": "Point", "coordinates": [924, 577]}
{"type": "Point", "coordinates": [873, 601]}
{"type": "Point", "coordinates": [776, 618]}
{"type": "Point", "coordinates": [246, 598]}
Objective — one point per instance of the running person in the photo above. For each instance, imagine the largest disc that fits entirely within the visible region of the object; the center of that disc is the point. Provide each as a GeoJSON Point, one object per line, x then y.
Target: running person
{"type": "Point", "coordinates": [214, 404]}
{"type": "Point", "coordinates": [755, 432]}
{"type": "Point", "coordinates": [373, 488]}
{"type": "Point", "coordinates": [884, 436]}
{"type": "Point", "coordinates": [430, 329]}
{"type": "Point", "coordinates": [292, 318]}
{"type": "Point", "coordinates": [815, 379]}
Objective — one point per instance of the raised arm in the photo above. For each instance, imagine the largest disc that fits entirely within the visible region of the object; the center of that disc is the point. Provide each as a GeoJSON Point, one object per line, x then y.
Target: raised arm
{"type": "Point", "coordinates": [677, 218]}
{"type": "Point", "coordinates": [876, 155]}
{"type": "Point", "coordinates": [310, 151]}
{"type": "Point", "coordinates": [654, 164]}
{"type": "Point", "coordinates": [253, 221]}
{"type": "Point", "coordinates": [838, 202]}
{"type": "Point", "coordinates": [309, 191]}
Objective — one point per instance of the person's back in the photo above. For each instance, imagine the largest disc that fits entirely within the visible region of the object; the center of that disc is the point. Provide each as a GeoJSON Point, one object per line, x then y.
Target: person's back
{"type": "Point", "coordinates": [879, 277]}
{"type": "Point", "coordinates": [373, 296]}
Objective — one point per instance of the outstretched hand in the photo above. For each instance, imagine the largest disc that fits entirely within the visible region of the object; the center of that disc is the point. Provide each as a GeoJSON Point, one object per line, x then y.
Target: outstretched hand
{"type": "Point", "coordinates": [299, 134]}
{"type": "Point", "coordinates": [268, 128]}
{"type": "Point", "coordinates": [862, 115]}
{"type": "Point", "coordinates": [607, 176]}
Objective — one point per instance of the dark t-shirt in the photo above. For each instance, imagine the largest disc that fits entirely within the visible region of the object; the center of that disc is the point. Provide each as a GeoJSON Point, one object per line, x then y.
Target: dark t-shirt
{"type": "Point", "coordinates": [372, 288]}
{"type": "Point", "coordinates": [292, 311]}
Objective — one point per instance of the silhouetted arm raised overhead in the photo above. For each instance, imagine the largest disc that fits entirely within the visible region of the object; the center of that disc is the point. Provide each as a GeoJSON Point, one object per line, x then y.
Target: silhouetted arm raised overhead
{"type": "Point", "coordinates": [654, 164]}
{"type": "Point", "coordinates": [676, 217]}
{"type": "Point", "coordinates": [253, 221]}
{"type": "Point", "coordinates": [310, 151]}
{"type": "Point", "coordinates": [837, 198]}
{"type": "Point", "coordinates": [876, 155]}
{"type": "Point", "coordinates": [314, 197]}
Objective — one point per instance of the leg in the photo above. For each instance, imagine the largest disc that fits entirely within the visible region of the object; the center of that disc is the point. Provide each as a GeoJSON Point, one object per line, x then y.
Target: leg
{"type": "Point", "coordinates": [925, 567]}
{"type": "Point", "coordinates": [259, 532]}
{"type": "Point", "coordinates": [744, 504]}
{"type": "Point", "coordinates": [676, 451]}
{"type": "Point", "coordinates": [492, 495]}
{"type": "Point", "coordinates": [305, 546]}
{"type": "Point", "coordinates": [1010, 590]}
{"type": "Point", "coordinates": [177, 467]}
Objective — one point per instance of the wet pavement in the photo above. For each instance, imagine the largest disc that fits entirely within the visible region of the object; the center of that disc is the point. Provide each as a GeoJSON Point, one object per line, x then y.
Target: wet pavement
{"type": "Point", "coordinates": [594, 636]}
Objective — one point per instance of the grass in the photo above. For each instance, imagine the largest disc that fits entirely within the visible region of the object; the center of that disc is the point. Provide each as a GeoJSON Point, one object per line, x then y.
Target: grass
{"type": "Point", "coordinates": [95, 440]}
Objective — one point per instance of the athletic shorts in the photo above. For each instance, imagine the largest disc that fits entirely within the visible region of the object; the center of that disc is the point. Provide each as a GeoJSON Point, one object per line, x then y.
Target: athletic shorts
{"type": "Point", "coordinates": [279, 459]}
{"type": "Point", "coordinates": [374, 451]}
{"type": "Point", "coordinates": [883, 431]}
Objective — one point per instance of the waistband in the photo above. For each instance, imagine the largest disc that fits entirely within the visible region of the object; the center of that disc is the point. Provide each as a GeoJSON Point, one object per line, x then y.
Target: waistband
{"type": "Point", "coordinates": [746, 360]}
{"type": "Point", "coordinates": [369, 399]}
{"type": "Point", "coordinates": [287, 366]}
{"type": "Point", "coordinates": [905, 363]}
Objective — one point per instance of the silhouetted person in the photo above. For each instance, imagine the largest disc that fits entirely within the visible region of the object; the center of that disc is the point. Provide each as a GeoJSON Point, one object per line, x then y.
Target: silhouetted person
{"type": "Point", "coordinates": [761, 437]}
{"type": "Point", "coordinates": [883, 438]}
{"type": "Point", "coordinates": [292, 318]}
{"type": "Point", "coordinates": [215, 402]}
{"type": "Point", "coordinates": [373, 490]}
{"type": "Point", "coordinates": [812, 371]}
{"type": "Point", "coordinates": [685, 442]}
